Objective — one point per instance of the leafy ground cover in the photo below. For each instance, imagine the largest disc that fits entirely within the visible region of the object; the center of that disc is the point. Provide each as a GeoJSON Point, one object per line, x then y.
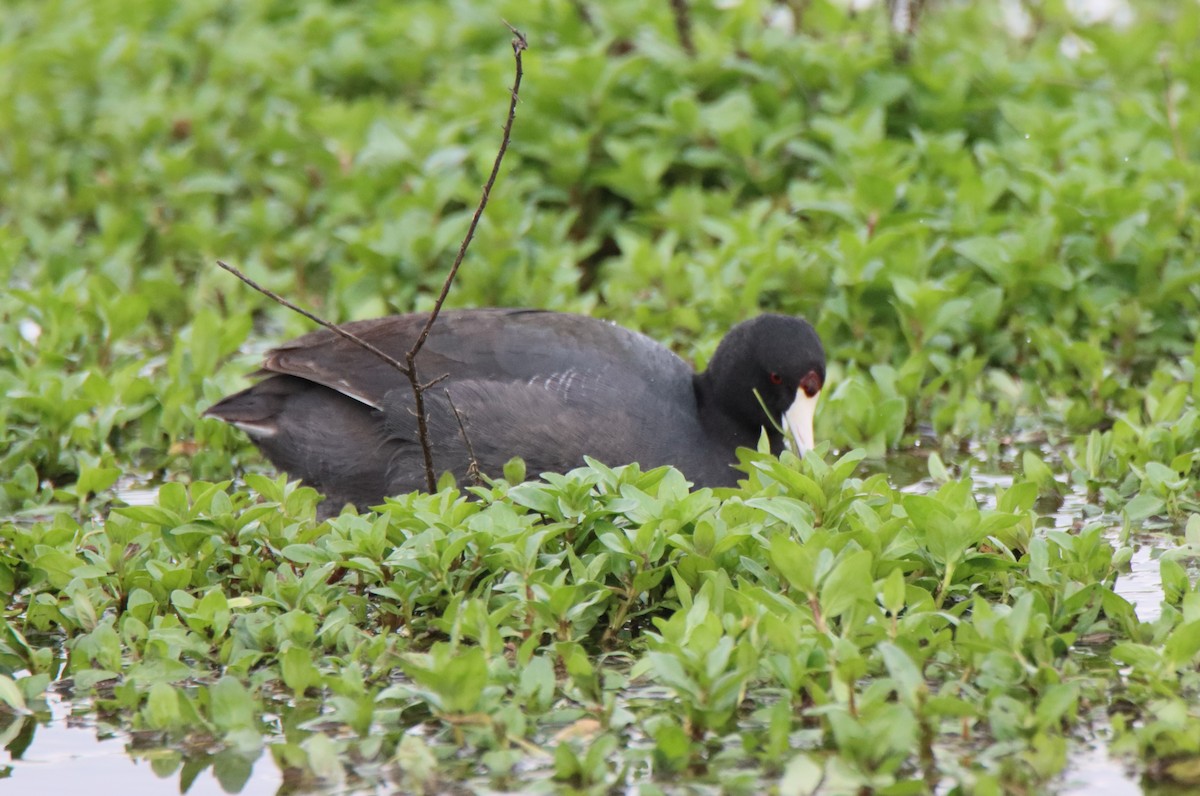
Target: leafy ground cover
{"type": "Point", "coordinates": [991, 221]}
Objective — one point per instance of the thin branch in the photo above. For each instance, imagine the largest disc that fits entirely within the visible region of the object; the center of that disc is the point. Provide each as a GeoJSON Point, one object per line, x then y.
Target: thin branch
{"type": "Point", "coordinates": [584, 14]}
{"type": "Point", "coordinates": [519, 45]}
{"type": "Point", "coordinates": [409, 367]}
{"type": "Point", "coordinates": [333, 327]}
{"type": "Point", "coordinates": [473, 471]}
{"type": "Point", "coordinates": [798, 8]}
{"type": "Point", "coordinates": [683, 25]}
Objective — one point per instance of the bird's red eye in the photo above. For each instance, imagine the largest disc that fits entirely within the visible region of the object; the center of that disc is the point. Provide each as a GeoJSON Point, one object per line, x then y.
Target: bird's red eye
{"type": "Point", "coordinates": [811, 383]}
{"type": "Point", "coordinates": [776, 378]}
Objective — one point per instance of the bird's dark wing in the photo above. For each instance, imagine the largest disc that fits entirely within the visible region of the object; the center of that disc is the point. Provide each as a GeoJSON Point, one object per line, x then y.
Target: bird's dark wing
{"type": "Point", "coordinates": [526, 347]}
{"type": "Point", "coordinates": [551, 422]}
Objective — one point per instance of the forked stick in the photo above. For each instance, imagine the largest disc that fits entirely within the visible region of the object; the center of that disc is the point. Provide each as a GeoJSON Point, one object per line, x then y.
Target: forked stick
{"type": "Point", "coordinates": [409, 366]}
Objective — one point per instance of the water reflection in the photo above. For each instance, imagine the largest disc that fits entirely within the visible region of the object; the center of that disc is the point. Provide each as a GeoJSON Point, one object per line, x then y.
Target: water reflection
{"type": "Point", "coordinates": [59, 752]}
{"type": "Point", "coordinates": [1093, 772]}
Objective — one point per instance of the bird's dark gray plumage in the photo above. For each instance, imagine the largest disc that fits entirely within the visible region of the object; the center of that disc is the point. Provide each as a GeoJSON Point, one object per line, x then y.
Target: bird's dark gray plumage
{"type": "Point", "coordinates": [545, 386]}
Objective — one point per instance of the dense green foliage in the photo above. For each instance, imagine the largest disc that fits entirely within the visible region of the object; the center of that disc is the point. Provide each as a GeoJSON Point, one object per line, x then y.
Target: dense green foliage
{"type": "Point", "coordinates": [993, 231]}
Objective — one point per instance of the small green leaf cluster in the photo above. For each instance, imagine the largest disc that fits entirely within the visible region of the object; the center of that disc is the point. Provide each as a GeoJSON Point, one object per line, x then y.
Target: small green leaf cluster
{"type": "Point", "coordinates": [813, 620]}
{"type": "Point", "coordinates": [991, 236]}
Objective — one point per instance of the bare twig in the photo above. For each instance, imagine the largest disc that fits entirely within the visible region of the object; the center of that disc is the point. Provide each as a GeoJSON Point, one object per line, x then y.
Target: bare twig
{"type": "Point", "coordinates": [333, 327]}
{"type": "Point", "coordinates": [473, 471]}
{"type": "Point", "coordinates": [683, 25]}
{"type": "Point", "coordinates": [519, 45]}
{"type": "Point", "coordinates": [798, 8]}
{"type": "Point", "coordinates": [409, 367]}
{"type": "Point", "coordinates": [584, 14]}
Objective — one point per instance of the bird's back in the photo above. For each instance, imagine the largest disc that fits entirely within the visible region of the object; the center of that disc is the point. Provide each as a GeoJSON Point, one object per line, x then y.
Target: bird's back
{"type": "Point", "coordinates": [545, 386]}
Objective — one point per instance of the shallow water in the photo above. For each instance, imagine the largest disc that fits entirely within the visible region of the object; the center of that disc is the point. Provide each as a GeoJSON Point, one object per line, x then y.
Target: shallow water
{"type": "Point", "coordinates": [60, 752]}
{"type": "Point", "coordinates": [1093, 772]}
{"type": "Point", "coordinates": [67, 754]}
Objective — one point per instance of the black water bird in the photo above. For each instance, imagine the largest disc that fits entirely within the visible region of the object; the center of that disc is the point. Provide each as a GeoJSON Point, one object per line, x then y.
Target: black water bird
{"type": "Point", "coordinates": [548, 387]}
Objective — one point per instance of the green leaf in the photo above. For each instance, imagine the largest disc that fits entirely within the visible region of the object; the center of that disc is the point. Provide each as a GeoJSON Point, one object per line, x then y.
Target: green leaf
{"type": "Point", "coordinates": [893, 592]}
{"type": "Point", "coordinates": [801, 777]}
{"type": "Point", "coordinates": [795, 563]}
{"type": "Point", "coordinates": [299, 673]}
{"type": "Point", "coordinates": [11, 696]}
{"type": "Point", "coordinates": [849, 583]}
{"type": "Point", "coordinates": [231, 706]}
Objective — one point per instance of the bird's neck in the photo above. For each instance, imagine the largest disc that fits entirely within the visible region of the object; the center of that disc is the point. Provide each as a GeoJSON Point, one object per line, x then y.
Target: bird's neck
{"type": "Point", "coordinates": [725, 423]}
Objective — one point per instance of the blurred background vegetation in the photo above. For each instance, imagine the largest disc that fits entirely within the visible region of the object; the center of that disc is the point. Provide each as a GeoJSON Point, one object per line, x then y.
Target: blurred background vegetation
{"type": "Point", "coordinates": [990, 217]}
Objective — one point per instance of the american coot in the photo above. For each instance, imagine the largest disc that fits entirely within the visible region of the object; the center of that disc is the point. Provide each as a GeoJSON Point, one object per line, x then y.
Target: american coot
{"type": "Point", "coordinates": [545, 386]}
